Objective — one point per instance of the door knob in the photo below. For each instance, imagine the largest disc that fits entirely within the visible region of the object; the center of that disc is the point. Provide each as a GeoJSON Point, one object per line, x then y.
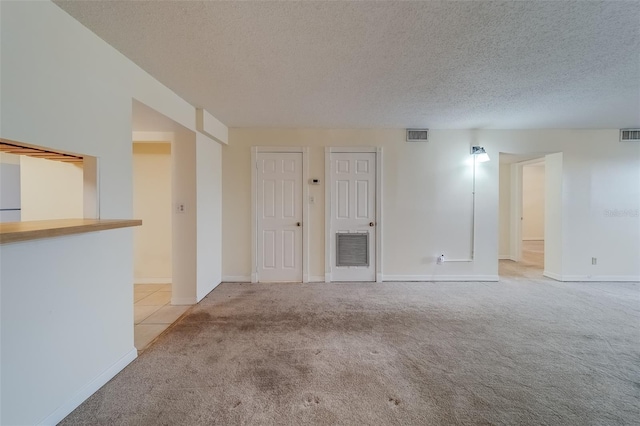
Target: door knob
{"type": "Point", "coordinates": [298, 224]}
{"type": "Point", "coordinates": [371, 224]}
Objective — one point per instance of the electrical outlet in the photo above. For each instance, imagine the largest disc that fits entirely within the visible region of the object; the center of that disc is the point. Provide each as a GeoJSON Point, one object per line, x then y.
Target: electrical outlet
{"type": "Point", "coordinates": [180, 208]}
{"type": "Point", "coordinates": [312, 199]}
{"type": "Point", "coordinates": [594, 260]}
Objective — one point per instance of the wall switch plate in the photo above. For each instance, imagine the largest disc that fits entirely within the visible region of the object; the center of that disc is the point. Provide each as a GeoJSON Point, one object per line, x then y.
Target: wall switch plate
{"type": "Point", "coordinates": [312, 199]}
{"type": "Point", "coordinates": [594, 260]}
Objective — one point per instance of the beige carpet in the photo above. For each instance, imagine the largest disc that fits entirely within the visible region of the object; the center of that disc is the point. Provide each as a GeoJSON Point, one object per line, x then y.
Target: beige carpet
{"type": "Point", "coordinates": [524, 351]}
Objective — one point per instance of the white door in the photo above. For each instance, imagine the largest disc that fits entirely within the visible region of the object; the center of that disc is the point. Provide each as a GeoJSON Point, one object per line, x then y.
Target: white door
{"type": "Point", "coordinates": [353, 216]}
{"type": "Point", "coordinates": [279, 211]}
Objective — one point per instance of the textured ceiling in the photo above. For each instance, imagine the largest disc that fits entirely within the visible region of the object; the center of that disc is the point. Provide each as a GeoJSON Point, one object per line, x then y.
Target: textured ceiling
{"type": "Point", "coordinates": [387, 64]}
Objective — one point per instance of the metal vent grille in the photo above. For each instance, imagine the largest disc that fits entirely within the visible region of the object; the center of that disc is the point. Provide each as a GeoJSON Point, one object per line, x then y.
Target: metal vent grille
{"type": "Point", "coordinates": [630, 135]}
{"type": "Point", "coordinates": [417, 135]}
{"type": "Point", "coordinates": [352, 249]}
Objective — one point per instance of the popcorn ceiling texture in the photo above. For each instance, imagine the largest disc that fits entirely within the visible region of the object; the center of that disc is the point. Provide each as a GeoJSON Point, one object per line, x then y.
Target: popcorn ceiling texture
{"type": "Point", "coordinates": [387, 64]}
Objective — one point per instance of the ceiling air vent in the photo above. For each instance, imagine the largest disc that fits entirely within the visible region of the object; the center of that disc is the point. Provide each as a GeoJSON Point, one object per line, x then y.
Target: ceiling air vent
{"type": "Point", "coordinates": [417, 135]}
{"type": "Point", "coordinates": [630, 135]}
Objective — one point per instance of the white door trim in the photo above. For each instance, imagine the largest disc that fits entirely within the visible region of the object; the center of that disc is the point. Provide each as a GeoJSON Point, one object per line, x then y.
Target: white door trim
{"type": "Point", "coordinates": [328, 199]}
{"type": "Point", "coordinates": [305, 207]}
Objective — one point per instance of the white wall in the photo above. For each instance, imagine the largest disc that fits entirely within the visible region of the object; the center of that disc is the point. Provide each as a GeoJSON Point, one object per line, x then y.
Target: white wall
{"type": "Point", "coordinates": [64, 88]}
{"type": "Point", "coordinates": [55, 353]}
{"type": "Point", "coordinates": [184, 223]}
{"type": "Point", "coordinates": [427, 199]}
{"type": "Point", "coordinates": [533, 185]}
{"type": "Point", "coordinates": [50, 189]}
{"type": "Point", "coordinates": [598, 174]}
{"type": "Point", "coordinates": [504, 214]}
{"type": "Point", "coordinates": [209, 214]}
{"type": "Point", "coordinates": [554, 216]}
{"type": "Point", "coordinates": [152, 204]}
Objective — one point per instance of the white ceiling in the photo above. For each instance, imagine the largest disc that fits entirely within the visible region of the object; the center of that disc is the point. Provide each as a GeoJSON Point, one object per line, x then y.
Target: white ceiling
{"type": "Point", "coordinates": [507, 64]}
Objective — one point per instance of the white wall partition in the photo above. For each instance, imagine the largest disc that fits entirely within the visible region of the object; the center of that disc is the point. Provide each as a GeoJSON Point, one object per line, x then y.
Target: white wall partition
{"type": "Point", "coordinates": [504, 215]}
{"type": "Point", "coordinates": [209, 214]}
{"type": "Point", "coordinates": [554, 217]}
{"type": "Point", "coordinates": [66, 89]}
{"type": "Point", "coordinates": [184, 219]}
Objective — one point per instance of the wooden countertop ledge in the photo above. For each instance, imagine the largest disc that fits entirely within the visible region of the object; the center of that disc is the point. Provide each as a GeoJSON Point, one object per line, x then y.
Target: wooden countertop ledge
{"type": "Point", "coordinates": [24, 231]}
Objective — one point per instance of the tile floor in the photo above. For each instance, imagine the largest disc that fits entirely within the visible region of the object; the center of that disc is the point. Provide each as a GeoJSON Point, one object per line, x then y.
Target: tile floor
{"type": "Point", "coordinates": [152, 312]}
{"type": "Point", "coordinates": [531, 264]}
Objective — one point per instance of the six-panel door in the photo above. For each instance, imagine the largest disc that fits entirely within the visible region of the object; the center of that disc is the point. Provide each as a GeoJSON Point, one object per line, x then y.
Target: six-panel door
{"type": "Point", "coordinates": [279, 204]}
{"type": "Point", "coordinates": [353, 216]}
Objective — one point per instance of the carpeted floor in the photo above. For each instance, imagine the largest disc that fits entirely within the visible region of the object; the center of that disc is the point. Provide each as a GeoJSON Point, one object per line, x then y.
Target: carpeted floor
{"type": "Point", "coordinates": [526, 350]}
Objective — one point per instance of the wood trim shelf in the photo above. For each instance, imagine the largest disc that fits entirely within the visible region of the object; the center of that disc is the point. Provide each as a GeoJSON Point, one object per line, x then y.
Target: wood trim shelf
{"type": "Point", "coordinates": [24, 231]}
{"type": "Point", "coordinates": [17, 148]}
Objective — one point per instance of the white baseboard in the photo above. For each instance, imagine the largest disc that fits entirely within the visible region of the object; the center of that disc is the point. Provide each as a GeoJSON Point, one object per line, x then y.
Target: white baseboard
{"type": "Point", "coordinates": [183, 301]}
{"type": "Point", "coordinates": [504, 257]}
{"type": "Point", "coordinates": [616, 278]}
{"type": "Point", "coordinates": [533, 239]}
{"type": "Point", "coordinates": [593, 278]}
{"type": "Point", "coordinates": [432, 278]}
{"type": "Point", "coordinates": [152, 280]}
{"type": "Point", "coordinates": [552, 275]}
{"type": "Point", "coordinates": [236, 279]}
{"type": "Point", "coordinates": [89, 389]}
{"type": "Point", "coordinates": [247, 279]}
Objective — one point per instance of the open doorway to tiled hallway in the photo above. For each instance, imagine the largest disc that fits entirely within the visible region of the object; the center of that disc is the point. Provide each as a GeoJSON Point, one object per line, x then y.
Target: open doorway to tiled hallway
{"type": "Point", "coordinates": [531, 263]}
{"type": "Point", "coordinates": [522, 212]}
{"type": "Point", "coordinates": [153, 140]}
{"type": "Point", "coordinates": [153, 312]}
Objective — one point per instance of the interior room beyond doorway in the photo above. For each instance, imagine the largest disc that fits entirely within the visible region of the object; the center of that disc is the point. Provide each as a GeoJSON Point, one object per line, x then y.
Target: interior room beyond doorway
{"type": "Point", "coordinates": [522, 215]}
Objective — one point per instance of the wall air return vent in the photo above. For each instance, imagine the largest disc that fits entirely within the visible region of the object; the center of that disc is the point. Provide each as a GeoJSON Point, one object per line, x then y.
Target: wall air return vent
{"type": "Point", "coordinates": [417, 135]}
{"type": "Point", "coordinates": [630, 135]}
{"type": "Point", "coordinates": [352, 249]}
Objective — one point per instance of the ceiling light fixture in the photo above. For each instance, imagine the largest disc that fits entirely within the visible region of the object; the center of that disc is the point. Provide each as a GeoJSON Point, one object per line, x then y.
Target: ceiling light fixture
{"type": "Point", "coordinates": [480, 154]}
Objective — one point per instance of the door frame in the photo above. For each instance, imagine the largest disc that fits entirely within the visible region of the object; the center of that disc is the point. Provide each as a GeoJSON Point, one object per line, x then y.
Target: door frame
{"type": "Point", "coordinates": [328, 200]}
{"type": "Point", "coordinates": [255, 150]}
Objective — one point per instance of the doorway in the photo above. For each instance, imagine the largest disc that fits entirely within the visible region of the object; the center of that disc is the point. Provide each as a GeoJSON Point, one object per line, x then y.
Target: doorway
{"type": "Point", "coordinates": [530, 212]}
{"type": "Point", "coordinates": [533, 207]}
{"type": "Point", "coordinates": [279, 192]}
{"type": "Point", "coordinates": [353, 214]}
{"type": "Point", "coordinates": [280, 214]}
{"type": "Point", "coordinates": [162, 198]}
